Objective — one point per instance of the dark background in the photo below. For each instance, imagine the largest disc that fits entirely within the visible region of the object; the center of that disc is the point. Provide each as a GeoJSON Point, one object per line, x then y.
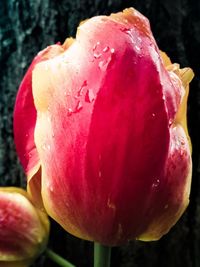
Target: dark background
{"type": "Point", "coordinates": [26, 27]}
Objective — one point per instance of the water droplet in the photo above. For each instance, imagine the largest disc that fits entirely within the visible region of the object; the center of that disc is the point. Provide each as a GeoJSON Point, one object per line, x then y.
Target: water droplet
{"type": "Point", "coordinates": [51, 188]}
{"type": "Point", "coordinates": [182, 142]}
{"type": "Point", "coordinates": [106, 49]}
{"type": "Point", "coordinates": [97, 55]}
{"type": "Point", "coordinates": [80, 91]}
{"type": "Point", "coordinates": [137, 48]}
{"type": "Point", "coordinates": [95, 46]}
{"type": "Point", "coordinates": [79, 106]}
{"type": "Point", "coordinates": [111, 205]}
{"type": "Point", "coordinates": [89, 96]}
{"type": "Point", "coordinates": [104, 63]}
{"type": "Point", "coordinates": [166, 206]}
{"type": "Point", "coordinates": [153, 115]}
{"type": "Point", "coordinates": [112, 50]}
{"type": "Point", "coordinates": [156, 183]}
{"type": "Point", "coordinates": [126, 30]}
{"type": "Point", "coordinates": [27, 135]}
{"type": "Point", "coordinates": [100, 174]}
{"type": "Point", "coordinates": [70, 111]}
{"type": "Point", "coordinates": [48, 147]}
{"type": "Point", "coordinates": [170, 121]}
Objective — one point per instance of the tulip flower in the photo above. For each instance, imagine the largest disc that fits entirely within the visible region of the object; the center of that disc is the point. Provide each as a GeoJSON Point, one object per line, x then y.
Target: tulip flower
{"type": "Point", "coordinates": [23, 229]}
{"type": "Point", "coordinates": [100, 129]}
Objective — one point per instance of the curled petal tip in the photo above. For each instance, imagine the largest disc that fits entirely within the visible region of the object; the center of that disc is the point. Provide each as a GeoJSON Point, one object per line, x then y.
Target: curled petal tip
{"type": "Point", "coordinates": [186, 75]}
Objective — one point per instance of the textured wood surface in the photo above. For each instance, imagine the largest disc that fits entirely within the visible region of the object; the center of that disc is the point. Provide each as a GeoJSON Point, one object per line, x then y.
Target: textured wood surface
{"type": "Point", "coordinates": [28, 26]}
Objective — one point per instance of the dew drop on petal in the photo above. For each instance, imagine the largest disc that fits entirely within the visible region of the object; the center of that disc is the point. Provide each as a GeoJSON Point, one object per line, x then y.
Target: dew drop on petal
{"type": "Point", "coordinates": [80, 91]}
{"type": "Point", "coordinates": [94, 47]}
{"type": "Point", "coordinates": [103, 65]}
{"type": "Point", "coordinates": [170, 121]}
{"type": "Point", "coordinates": [69, 111]}
{"type": "Point", "coordinates": [182, 142]}
{"type": "Point", "coordinates": [137, 48]}
{"type": "Point", "coordinates": [156, 183]}
{"type": "Point", "coordinates": [112, 50]}
{"type": "Point", "coordinates": [79, 106]}
{"type": "Point", "coordinates": [89, 97]}
{"type": "Point", "coordinates": [51, 188]}
{"type": "Point", "coordinates": [97, 55]}
{"type": "Point", "coordinates": [106, 49]}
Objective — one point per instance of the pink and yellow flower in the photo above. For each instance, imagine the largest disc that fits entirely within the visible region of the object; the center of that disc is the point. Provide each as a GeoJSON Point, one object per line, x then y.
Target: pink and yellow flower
{"type": "Point", "coordinates": [24, 229]}
{"type": "Point", "coordinates": [100, 128]}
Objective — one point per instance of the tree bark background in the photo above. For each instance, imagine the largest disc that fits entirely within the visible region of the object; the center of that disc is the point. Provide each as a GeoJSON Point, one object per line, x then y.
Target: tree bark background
{"type": "Point", "coordinates": [26, 27]}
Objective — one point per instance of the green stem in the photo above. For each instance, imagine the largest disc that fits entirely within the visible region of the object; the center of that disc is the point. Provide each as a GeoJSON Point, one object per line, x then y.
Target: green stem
{"type": "Point", "coordinates": [58, 259]}
{"type": "Point", "coordinates": [102, 255]}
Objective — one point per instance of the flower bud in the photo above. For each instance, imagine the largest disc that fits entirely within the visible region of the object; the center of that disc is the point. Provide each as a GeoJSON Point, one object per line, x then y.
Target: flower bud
{"type": "Point", "coordinates": [109, 143]}
{"type": "Point", "coordinates": [24, 229]}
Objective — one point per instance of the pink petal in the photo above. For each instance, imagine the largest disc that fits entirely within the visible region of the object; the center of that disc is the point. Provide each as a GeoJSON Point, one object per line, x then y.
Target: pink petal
{"type": "Point", "coordinates": [24, 122]}
{"type": "Point", "coordinates": [172, 188]}
{"type": "Point", "coordinates": [23, 229]}
{"type": "Point", "coordinates": [93, 157]}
